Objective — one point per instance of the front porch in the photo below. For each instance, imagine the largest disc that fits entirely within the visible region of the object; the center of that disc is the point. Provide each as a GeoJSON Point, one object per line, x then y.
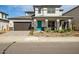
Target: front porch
{"type": "Point", "coordinates": [54, 23]}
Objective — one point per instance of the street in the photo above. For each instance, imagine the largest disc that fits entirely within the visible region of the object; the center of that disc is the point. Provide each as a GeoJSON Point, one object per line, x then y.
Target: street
{"type": "Point", "coordinates": [43, 48]}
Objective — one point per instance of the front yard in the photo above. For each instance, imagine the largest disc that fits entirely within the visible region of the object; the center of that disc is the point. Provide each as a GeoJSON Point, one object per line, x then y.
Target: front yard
{"type": "Point", "coordinates": [56, 34]}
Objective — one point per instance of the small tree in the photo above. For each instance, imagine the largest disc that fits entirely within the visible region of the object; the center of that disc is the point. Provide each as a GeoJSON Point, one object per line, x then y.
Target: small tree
{"type": "Point", "coordinates": [31, 32]}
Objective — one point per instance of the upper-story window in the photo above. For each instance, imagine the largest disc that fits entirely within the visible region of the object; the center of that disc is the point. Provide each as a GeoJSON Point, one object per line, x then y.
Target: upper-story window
{"type": "Point", "coordinates": [50, 10]}
{"type": "Point", "coordinates": [39, 10]}
{"type": "Point", "coordinates": [2, 15]}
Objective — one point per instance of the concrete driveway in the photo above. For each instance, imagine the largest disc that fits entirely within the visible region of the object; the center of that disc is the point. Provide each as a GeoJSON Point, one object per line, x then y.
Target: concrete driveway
{"type": "Point", "coordinates": [16, 33]}
{"type": "Point", "coordinates": [13, 36]}
{"type": "Point", "coordinates": [30, 44]}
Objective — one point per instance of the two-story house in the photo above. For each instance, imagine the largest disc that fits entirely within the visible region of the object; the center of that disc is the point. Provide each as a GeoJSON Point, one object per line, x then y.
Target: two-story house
{"type": "Point", "coordinates": [50, 16]}
{"type": "Point", "coordinates": [43, 16]}
{"type": "Point", "coordinates": [4, 22]}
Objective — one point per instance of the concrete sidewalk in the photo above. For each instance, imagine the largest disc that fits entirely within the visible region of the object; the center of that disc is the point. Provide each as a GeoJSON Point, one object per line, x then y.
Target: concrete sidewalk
{"type": "Point", "coordinates": [8, 39]}
{"type": "Point", "coordinates": [51, 39]}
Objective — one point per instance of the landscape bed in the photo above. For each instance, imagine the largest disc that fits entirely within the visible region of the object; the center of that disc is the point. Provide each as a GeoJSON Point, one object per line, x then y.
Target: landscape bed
{"type": "Point", "coordinates": [55, 34]}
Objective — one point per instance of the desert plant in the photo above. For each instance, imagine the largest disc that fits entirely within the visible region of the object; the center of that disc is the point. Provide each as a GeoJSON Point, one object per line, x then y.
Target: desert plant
{"type": "Point", "coordinates": [65, 30]}
{"type": "Point", "coordinates": [69, 29]}
{"type": "Point", "coordinates": [55, 31]}
{"type": "Point", "coordinates": [62, 31]}
{"type": "Point", "coordinates": [47, 29]}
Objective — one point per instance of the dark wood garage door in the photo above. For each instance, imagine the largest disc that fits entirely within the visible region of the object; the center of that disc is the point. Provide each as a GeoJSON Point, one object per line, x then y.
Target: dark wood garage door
{"type": "Point", "coordinates": [22, 26]}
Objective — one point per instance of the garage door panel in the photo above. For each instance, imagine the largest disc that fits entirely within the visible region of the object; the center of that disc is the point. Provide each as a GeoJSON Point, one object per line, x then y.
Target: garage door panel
{"type": "Point", "coordinates": [21, 26]}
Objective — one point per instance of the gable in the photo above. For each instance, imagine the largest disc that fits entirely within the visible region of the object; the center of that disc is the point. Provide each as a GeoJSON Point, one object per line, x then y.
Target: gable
{"type": "Point", "coordinates": [72, 12]}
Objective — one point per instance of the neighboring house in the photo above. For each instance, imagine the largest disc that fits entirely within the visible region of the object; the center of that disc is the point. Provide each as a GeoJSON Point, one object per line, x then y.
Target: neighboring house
{"type": "Point", "coordinates": [43, 16]}
{"type": "Point", "coordinates": [4, 22]}
{"type": "Point", "coordinates": [75, 13]}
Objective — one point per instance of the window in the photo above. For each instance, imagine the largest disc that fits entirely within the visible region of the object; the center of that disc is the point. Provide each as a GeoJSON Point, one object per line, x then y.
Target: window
{"type": "Point", "coordinates": [2, 15]}
{"type": "Point", "coordinates": [39, 10]}
{"type": "Point", "coordinates": [5, 16]}
{"type": "Point", "coordinates": [51, 10]}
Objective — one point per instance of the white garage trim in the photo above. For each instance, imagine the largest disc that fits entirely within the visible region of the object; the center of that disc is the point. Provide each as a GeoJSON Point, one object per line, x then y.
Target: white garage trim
{"type": "Point", "coordinates": [21, 20]}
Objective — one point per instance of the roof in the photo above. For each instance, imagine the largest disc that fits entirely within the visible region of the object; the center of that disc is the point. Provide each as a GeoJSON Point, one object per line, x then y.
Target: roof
{"type": "Point", "coordinates": [47, 6]}
{"type": "Point", "coordinates": [61, 10]}
{"type": "Point", "coordinates": [29, 11]}
{"type": "Point", "coordinates": [55, 16]}
{"type": "Point", "coordinates": [21, 18]}
{"type": "Point", "coordinates": [71, 10]}
{"type": "Point", "coordinates": [3, 13]}
{"type": "Point", "coordinates": [4, 20]}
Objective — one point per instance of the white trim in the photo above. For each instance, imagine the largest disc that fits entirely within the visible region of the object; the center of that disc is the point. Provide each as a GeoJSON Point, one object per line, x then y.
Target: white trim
{"type": "Point", "coordinates": [21, 20]}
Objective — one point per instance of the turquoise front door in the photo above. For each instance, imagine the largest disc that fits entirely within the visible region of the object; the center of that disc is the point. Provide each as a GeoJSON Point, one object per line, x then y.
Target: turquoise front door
{"type": "Point", "coordinates": [39, 25]}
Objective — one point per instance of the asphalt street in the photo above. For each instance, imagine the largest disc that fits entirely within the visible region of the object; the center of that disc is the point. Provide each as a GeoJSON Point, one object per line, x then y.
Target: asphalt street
{"type": "Point", "coordinates": [41, 48]}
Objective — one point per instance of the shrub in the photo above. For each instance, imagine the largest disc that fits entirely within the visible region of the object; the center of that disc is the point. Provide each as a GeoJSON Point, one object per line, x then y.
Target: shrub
{"type": "Point", "coordinates": [48, 29]}
{"type": "Point", "coordinates": [69, 29]}
{"type": "Point", "coordinates": [61, 31]}
{"type": "Point", "coordinates": [65, 30]}
{"type": "Point", "coordinates": [55, 30]}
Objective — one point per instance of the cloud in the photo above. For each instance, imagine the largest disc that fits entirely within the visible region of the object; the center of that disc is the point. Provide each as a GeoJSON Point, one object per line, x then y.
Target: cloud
{"type": "Point", "coordinates": [27, 8]}
{"type": "Point", "coordinates": [23, 7]}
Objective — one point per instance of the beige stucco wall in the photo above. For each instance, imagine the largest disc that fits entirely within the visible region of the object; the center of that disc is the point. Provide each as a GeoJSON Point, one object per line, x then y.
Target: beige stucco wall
{"type": "Point", "coordinates": [0, 15]}
{"type": "Point", "coordinates": [0, 25]}
{"type": "Point", "coordinates": [11, 24]}
{"type": "Point", "coordinates": [4, 26]}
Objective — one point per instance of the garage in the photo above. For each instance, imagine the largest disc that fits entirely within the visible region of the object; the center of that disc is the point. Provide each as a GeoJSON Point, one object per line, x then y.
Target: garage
{"type": "Point", "coordinates": [22, 26]}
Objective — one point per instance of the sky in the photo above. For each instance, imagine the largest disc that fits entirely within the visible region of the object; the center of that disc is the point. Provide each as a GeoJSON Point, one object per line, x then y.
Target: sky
{"type": "Point", "coordinates": [19, 10]}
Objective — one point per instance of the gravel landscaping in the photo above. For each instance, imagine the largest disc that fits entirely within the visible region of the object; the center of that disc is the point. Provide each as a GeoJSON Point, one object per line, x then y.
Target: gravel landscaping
{"type": "Point", "coordinates": [56, 34]}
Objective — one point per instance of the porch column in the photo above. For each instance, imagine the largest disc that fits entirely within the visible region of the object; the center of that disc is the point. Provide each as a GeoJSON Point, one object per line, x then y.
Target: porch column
{"type": "Point", "coordinates": [66, 25]}
{"type": "Point", "coordinates": [58, 24]}
{"type": "Point", "coordinates": [69, 24]}
{"type": "Point", "coordinates": [55, 25]}
{"type": "Point", "coordinates": [46, 21]}
{"type": "Point", "coordinates": [61, 26]}
{"type": "Point", "coordinates": [35, 24]}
